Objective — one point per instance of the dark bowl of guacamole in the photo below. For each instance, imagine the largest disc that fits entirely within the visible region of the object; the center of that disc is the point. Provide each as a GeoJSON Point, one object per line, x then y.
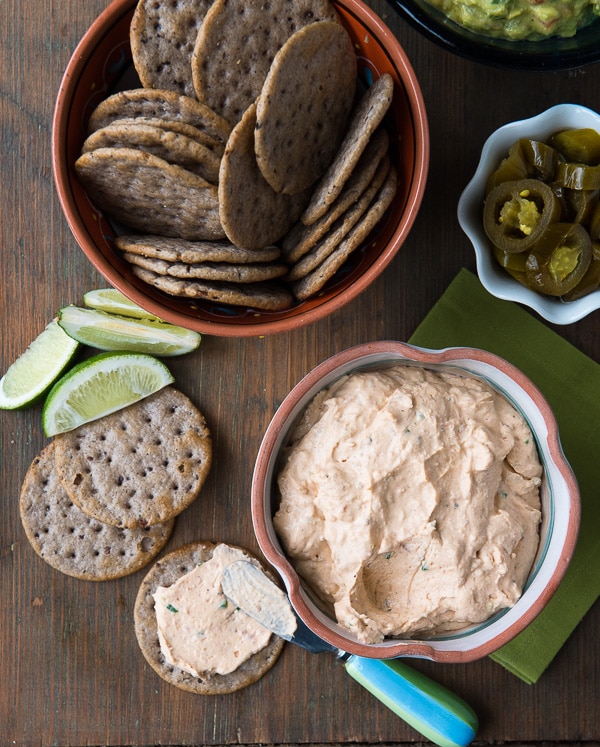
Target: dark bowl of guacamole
{"type": "Point", "coordinates": [547, 35]}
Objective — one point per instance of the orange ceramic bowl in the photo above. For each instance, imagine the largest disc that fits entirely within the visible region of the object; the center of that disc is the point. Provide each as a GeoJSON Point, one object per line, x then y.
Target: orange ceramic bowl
{"type": "Point", "coordinates": [101, 65]}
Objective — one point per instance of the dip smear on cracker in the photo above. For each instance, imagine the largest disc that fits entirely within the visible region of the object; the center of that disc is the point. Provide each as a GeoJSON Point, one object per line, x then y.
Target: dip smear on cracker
{"type": "Point", "coordinates": [204, 679]}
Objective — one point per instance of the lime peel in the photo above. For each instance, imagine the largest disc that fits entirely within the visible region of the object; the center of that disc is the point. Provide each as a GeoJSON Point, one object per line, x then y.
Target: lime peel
{"type": "Point", "coordinates": [99, 386]}
{"type": "Point", "coordinates": [107, 331]}
{"type": "Point", "coordinates": [33, 373]}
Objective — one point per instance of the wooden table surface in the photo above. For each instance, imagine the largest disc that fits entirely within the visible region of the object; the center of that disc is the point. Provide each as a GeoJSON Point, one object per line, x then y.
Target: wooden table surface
{"type": "Point", "coordinates": [72, 673]}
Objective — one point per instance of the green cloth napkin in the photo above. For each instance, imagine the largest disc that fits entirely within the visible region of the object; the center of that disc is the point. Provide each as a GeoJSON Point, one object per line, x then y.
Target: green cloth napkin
{"type": "Point", "coordinates": [467, 315]}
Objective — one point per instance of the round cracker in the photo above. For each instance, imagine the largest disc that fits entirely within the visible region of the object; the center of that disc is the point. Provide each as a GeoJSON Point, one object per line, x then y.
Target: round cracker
{"type": "Point", "coordinates": [148, 194]}
{"type": "Point", "coordinates": [162, 38]}
{"type": "Point", "coordinates": [71, 541]}
{"type": "Point", "coordinates": [179, 250]}
{"type": "Point", "coordinates": [165, 572]}
{"type": "Point", "coordinates": [303, 108]}
{"type": "Point", "coordinates": [237, 43]}
{"type": "Point", "coordinates": [364, 120]}
{"type": "Point", "coordinates": [173, 147]}
{"type": "Point", "coordinates": [261, 296]}
{"type": "Point", "coordinates": [161, 103]}
{"type": "Point", "coordinates": [139, 466]}
{"type": "Point", "coordinates": [252, 214]}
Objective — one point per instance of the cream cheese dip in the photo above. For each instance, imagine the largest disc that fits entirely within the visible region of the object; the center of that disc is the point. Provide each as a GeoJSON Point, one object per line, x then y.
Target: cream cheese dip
{"type": "Point", "coordinates": [198, 629]}
{"type": "Point", "coordinates": [410, 501]}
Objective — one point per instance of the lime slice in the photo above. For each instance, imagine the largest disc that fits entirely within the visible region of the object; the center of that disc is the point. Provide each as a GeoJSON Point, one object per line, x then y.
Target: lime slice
{"type": "Point", "coordinates": [112, 332]}
{"type": "Point", "coordinates": [100, 385]}
{"type": "Point", "coordinates": [115, 302]}
{"type": "Point", "coordinates": [34, 372]}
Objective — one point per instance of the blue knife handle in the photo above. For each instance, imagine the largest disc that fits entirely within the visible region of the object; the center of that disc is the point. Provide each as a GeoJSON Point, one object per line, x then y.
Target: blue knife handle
{"type": "Point", "coordinates": [427, 706]}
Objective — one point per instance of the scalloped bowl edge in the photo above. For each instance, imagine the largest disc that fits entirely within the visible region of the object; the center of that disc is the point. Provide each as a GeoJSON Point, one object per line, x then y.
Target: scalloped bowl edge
{"type": "Point", "coordinates": [470, 206]}
{"type": "Point", "coordinates": [560, 495]}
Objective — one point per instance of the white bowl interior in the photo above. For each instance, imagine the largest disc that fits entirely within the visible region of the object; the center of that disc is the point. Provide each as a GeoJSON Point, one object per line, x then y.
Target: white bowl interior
{"type": "Point", "coordinates": [558, 503]}
{"type": "Point", "coordinates": [470, 208]}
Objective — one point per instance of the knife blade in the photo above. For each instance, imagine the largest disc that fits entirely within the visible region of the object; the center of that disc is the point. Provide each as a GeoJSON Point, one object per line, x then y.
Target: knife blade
{"type": "Point", "coordinates": [254, 593]}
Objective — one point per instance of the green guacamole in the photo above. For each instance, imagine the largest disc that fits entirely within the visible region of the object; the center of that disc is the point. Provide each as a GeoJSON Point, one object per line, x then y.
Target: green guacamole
{"type": "Point", "coordinates": [521, 19]}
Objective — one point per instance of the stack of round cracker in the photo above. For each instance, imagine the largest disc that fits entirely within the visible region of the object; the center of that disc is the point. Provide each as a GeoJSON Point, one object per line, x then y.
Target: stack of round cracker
{"type": "Point", "coordinates": [100, 502]}
{"type": "Point", "coordinates": [349, 200]}
{"type": "Point", "coordinates": [240, 154]}
{"type": "Point", "coordinates": [151, 160]}
{"type": "Point", "coordinates": [75, 543]}
{"type": "Point", "coordinates": [221, 272]}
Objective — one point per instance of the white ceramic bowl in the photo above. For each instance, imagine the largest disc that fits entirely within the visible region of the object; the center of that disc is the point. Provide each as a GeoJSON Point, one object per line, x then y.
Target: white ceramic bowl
{"type": "Point", "coordinates": [470, 209]}
{"type": "Point", "coordinates": [560, 500]}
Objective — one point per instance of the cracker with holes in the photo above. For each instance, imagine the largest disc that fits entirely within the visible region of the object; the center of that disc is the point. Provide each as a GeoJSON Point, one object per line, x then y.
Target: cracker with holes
{"type": "Point", "coordinates": [173, 147]}
{"type": "Point", "coordinates": [162, 104]}
{"type": "Point", "coordinates": [365, 119]}
{"type": "Point", "coordinates": [139, 466]}
{"type": "Point", "coordinates": [145, 193]}
{"type": "Point", "coordinates": [162, 37]}
{"type": "Point", "coordinates": [303, 107]}
{"type": "Point", "coordinates": [71, 541]}
{"type": "Point", "coordinates": [230, 650]}
{"type": "Point", "coordinates": [236, 44]}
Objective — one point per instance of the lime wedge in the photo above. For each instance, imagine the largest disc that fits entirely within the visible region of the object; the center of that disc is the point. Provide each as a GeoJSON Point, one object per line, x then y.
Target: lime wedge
{"type": "Point", "coordinates": [113, 332]}
{"type": "Point", "coordinates": [115, 302]}
{"type": "Point", "coordinates": [34, 372]}
{"type": "Point", "coordinates": [105, 383]}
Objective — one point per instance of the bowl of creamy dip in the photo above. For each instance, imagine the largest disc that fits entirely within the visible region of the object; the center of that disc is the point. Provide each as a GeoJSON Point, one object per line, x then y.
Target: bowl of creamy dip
{"type": "Point", "coordinates": [415, 502]}
{"type": "Point", "coordinates": [515, 34]}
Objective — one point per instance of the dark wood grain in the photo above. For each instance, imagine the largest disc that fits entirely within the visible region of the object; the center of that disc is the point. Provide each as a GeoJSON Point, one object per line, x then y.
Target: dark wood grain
{"type": "Point", "coordinates": [72, 671]}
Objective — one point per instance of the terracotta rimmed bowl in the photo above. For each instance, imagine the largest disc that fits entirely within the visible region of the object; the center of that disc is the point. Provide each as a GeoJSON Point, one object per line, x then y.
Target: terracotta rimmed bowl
{"type": "Point", "coordinates": [552, 53]}
{"type": "Point", "coordinates": [560, 499]}
{"type": "Point", "coordinates": [101, 65]}
{"type": "Point", "coordinates": [470, 212]}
